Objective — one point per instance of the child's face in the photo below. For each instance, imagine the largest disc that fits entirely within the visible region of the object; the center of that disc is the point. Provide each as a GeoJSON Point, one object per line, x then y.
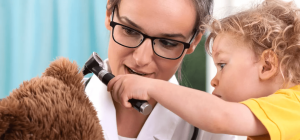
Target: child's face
{"type": "Point", "coordinates": [237, 77]}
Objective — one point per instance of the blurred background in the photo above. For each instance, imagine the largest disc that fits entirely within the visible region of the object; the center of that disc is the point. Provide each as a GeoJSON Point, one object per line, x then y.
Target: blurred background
{"type": "Point", "coordinates": [35, 32]}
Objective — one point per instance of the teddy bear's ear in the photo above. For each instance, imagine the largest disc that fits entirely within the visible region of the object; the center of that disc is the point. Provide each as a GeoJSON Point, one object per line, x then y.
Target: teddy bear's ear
{"type": "Point", "coordinates": [66, 71]}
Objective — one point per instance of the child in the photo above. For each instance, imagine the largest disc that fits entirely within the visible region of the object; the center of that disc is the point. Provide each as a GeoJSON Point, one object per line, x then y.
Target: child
{"type": "Point", "coordinates": [257, 55]}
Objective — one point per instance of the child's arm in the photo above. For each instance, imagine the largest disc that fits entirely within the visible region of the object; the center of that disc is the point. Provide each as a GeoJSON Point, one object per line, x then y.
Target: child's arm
{"type": "Point", "coordinates": [201, 109]}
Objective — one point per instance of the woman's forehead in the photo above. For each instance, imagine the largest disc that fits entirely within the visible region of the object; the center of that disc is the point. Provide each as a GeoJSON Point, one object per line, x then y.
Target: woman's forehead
{"type": "Point", "coordinates": [160, 16]}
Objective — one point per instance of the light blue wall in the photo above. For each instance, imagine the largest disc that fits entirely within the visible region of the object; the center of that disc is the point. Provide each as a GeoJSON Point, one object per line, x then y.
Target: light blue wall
{"type": "Point", "coordinates": [35, 32]}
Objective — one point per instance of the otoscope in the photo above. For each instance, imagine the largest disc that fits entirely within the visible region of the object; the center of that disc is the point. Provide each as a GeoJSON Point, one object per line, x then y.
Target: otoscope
{"type": "Point", "coordinates": [95, 65]}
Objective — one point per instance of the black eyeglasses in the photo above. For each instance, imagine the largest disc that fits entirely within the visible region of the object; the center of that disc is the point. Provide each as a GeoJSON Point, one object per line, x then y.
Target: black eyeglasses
{"type": "Point", "coordinates": [131, 38]}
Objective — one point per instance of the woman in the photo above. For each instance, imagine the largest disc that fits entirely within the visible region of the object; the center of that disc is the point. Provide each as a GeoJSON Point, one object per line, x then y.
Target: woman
{"type": "Point", "coordinates": [173, 31]}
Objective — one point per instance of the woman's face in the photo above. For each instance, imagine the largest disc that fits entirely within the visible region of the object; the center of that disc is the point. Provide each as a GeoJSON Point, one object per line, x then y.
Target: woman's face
{"type": "Point", "coordinates": [157, 18]}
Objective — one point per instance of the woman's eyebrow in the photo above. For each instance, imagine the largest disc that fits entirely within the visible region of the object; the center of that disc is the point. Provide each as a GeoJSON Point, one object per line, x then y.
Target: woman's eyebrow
{"type": "Point", "coordinates": [127, 20]}
{"type": "Point", "coordinates": [130, 22]}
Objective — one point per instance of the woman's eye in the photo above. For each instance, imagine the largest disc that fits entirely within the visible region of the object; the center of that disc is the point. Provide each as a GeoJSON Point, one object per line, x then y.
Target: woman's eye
{"type": "Point", "coordinates": [168, 43]}
{"type": "Point", "coordinates": [129, 31]}
{"type": "Point", "coordinates": [221, 65]}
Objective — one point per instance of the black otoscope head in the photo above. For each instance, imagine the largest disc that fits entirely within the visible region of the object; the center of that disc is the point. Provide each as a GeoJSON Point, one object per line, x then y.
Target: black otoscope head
{"type": "Point", "coordinates": [93, 65]}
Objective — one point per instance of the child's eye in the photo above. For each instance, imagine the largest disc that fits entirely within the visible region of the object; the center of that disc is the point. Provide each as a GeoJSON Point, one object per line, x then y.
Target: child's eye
{"type": "Point", "coordinates": [221, 65]}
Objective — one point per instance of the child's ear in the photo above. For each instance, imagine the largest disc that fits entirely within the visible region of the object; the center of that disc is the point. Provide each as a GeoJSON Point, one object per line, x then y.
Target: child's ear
{"type": "Point", "coordinates": [268, 65]}
{"type": "Point", "coordinates": [108, 16]}
{"type": "Point", "coordinates": [195, 43]}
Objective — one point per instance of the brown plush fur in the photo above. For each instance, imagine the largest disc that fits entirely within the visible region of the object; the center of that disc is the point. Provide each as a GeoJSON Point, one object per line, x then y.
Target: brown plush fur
{"type": "Point", "coordinates": [53, 106]}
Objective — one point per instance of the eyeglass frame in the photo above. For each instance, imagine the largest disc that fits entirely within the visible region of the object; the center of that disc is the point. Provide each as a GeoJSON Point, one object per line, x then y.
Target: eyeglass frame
{"type": "Point", "coordinates": [186, 45]}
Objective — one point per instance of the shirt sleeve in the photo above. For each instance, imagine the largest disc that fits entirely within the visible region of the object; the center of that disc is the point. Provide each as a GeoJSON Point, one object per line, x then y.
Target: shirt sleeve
{"type": "Point", "coordinates": [279, 113]}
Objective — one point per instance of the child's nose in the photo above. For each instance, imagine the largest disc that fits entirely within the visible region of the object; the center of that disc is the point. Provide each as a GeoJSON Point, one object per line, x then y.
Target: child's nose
{"type": "Point", "coordinates": [144, 53]}
{"type": "Point", "coordinates": [214, 82]}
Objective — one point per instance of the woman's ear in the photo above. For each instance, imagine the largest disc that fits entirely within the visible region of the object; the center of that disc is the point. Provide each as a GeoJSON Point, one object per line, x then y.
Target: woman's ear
{"type": "Point", "coordinates": [268, 65]}
{"type": "Point", "coordinates": [195, 43]}
{"type": "Point", "coordinates": [108, 16]}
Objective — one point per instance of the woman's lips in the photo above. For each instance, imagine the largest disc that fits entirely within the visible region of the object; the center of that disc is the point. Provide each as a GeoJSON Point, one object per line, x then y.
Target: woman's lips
{"type": "Point", "coordinates": [132, 71]}
{"type": "Point", "coordinates": [135, 72]}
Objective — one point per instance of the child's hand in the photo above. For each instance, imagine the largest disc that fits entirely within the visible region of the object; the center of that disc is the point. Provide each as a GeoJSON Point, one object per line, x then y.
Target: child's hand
{"type": "Point", "coordinates": [129, 86]}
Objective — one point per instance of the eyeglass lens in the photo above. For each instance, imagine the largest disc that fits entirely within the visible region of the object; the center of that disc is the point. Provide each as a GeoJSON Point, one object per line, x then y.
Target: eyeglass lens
{"type": "Point", "coordinates": [127, 36]}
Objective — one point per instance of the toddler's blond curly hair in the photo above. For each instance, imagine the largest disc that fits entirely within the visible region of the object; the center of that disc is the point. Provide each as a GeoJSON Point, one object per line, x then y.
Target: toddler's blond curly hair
{"type": "Point", "coordinates": [273, 25]}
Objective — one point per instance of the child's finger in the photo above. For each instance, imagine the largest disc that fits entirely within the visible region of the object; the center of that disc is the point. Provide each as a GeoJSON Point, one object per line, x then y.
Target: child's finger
{"type": "Point", "coordinates": [111, 83]}
{"type": "Point", "coordinates": [115, 90]}
{"type": "Point", "coordinates": [119, 95]}
{"type": "Point", "coordinates": [125, 103]}
{"type": "Point", "coordinates": [124, 96]}
{"type": "Point", "coordinates": [118, 92]}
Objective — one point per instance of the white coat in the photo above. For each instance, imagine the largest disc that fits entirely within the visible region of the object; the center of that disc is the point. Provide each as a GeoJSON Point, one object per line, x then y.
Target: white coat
{"type": "Point", "coordinates": [162, 124]}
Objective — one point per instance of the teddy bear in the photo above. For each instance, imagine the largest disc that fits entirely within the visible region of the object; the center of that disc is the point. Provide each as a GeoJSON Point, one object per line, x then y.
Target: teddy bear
{"type": "Point", "coordinates": [51, 107]}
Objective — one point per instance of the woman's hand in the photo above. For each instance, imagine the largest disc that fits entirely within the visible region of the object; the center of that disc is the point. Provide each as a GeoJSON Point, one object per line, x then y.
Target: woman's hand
{"type": "Point", "coordinates": [129, 86]}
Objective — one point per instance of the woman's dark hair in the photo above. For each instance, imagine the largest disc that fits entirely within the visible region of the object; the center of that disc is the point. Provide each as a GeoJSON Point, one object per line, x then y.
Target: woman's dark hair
{"type": "Point", "coordinates": [203, 8]}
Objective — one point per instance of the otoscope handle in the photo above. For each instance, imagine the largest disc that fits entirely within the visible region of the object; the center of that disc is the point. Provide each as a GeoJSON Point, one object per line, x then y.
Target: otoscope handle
{"type": "Point", "coordinates": [107, 77]}
{"type": "Point", "coordinates": [140, 105]}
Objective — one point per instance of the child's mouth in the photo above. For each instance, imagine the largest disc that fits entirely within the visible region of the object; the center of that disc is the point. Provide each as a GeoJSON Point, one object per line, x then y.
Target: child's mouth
{"type": "Point", "coordinates": [217, 95]}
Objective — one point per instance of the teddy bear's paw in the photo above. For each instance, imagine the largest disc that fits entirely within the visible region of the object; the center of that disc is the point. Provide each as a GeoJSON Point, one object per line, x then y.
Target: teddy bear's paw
{"type": "Point", "coordinates": [63, 69]}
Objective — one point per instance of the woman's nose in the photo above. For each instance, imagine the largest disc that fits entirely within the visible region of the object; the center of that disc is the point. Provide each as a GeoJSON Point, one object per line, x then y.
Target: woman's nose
{"type": "Point", "coordinates": [214, 82]}
{"type": "Point", "coordinates": [143, 54]}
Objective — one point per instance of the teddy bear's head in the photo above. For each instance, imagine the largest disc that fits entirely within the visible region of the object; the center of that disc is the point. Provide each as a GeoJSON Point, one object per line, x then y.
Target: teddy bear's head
{"type": "Point", "coordinates": [53, 106]}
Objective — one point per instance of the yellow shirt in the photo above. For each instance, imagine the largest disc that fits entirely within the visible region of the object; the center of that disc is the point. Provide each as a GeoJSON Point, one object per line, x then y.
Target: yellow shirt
{"type": "Point", "coordinates": [279, 113]}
